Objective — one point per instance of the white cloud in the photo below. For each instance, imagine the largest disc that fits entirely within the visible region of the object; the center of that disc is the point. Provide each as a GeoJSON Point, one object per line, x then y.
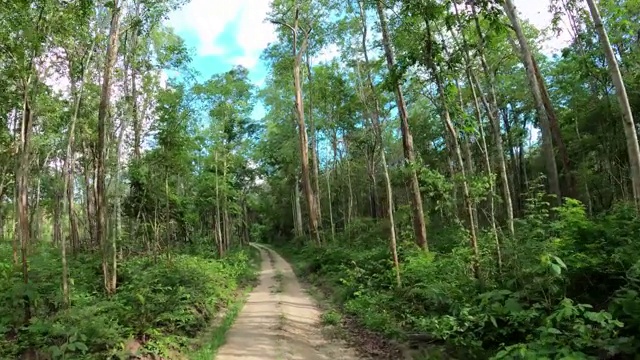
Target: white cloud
{"type": "Point", "coordinates": [254, 32]}
{"type": "Point", "coordinates": [537, 13]}
{"type": "Point", "coordinates": [207, 19]}
{"type": "Point", "coordinates": [248, 61]}
{"type": "Point", "coordinates": [328, 53]}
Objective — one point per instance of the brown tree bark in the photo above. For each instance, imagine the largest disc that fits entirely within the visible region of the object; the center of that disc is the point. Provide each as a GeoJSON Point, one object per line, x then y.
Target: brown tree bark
{"type": "Point", "coordinates": [315, 162]}
{"type": "Point", "coordinates": [547, 142]}
{"type": "Point", "coordinates": [302, 128]}
{"type": "Point", "coordinates": [22, 191]}
{"type": "Point", "coordinates": [569, 178]}
{"type": "Point", "coordinates": [103, 109]}
{"type": "Point", "coordinates": [419, 225]}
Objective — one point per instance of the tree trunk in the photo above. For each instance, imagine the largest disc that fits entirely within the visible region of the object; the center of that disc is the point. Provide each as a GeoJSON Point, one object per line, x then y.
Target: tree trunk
{"type": "Point", "coordinates": [103, 109]}
{"type": "Point", "coordinates": [492, 113]}
{"type": "Point", "coordinates": [349, 185]}
{"type": "Point", "coordinates": [298, 207]}
{"type": "Point", "coordinates": [333, 226]}
{"type": "Point", "coordinates": [488, 167]}
{"type": "Point", "coordinates": [455, 148]}
{"type": "Point", "coordinates": [90, 196]}
{"type": "Point", "coordinates": [137, 126]}
{"type": "Point", "coordinates": [569, 178]}
{"type": "Point", "coordinates": [547, 143]}
{"type": "Point", "coordinates": [22, 186]}
{"type": "Point", "coordinates": [302, 129]}
{"type": "Point", "coordinates": [15, 241]}
{"type": "Point", "coordinates": [419, 225]}
{"type": "Point", "coordinates": [315, 162]}
{"type": "Point", "coordinates": [375, 121]}
{"type": "Point", "coordinates": [68, 188]}
{"type": "Point", "coordinates": [627, 116]}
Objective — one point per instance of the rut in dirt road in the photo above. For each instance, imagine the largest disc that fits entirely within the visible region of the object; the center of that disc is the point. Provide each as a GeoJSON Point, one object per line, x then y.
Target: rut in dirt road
{"type": "Point", "coordinates": [280, 321]}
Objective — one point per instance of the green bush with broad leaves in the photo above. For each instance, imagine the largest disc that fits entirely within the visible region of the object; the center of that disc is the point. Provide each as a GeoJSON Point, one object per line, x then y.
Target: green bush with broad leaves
{"type": "Point", "coordinates": [160, 303]}
{"type": "Point", "coordinates": [567, 289]}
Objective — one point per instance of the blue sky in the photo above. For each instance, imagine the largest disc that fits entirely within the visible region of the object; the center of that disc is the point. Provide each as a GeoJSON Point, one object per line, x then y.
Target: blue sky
{"type": "Point", "coordinates": [226, 33]}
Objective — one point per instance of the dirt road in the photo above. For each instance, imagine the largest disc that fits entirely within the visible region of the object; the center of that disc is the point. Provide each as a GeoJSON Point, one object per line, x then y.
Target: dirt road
{"type": "Point", "coordinates": [280, 321]}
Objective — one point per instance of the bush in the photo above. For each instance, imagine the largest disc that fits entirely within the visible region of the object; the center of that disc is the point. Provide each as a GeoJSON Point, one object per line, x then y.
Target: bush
{"type": "Point", "coordinates": [162, 304]}
{"type": "Point", "coordinates": [559, 277]}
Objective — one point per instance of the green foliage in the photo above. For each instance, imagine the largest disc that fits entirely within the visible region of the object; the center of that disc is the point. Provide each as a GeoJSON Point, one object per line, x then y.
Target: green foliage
{"type": "Point", "coordinates": [162, 303]}
{"type": "Point", "coordinates": [331, 317]}
{"type": "Point", "coordinates": [536, 307]}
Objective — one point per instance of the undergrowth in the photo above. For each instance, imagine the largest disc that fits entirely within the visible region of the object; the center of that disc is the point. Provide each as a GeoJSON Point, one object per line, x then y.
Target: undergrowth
{"type": "Point", "coordinates": [159, 306]}
{"type": "Point", "coordinates": [567, 289]}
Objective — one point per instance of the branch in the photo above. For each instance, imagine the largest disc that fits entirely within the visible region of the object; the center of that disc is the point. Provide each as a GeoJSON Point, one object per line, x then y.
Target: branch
{"type": "Point", "coordinates": [305, 43]}
{"type": "Point", "coordinates": [278, 22]}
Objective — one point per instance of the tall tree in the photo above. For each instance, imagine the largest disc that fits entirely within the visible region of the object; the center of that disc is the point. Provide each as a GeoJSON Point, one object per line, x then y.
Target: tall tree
{"type": "Point", "coordinates": [527, 60]}
{"type": "Point", "coordinates": [419, 225]}
{"type": "Point", "coordinates": [109, 260]}
{"type": "Point", "coordinates": [621, 93]}
{"type": "Point", "coordinates": [297, 54]}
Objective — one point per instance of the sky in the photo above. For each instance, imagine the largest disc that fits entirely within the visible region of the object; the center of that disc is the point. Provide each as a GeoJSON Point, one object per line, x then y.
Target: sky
{"type": "Point", "coordinates": [225, 33]}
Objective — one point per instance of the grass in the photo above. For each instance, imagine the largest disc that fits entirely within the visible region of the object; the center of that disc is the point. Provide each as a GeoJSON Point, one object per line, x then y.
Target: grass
{"type": "Point", "coordinates": [215, 337]}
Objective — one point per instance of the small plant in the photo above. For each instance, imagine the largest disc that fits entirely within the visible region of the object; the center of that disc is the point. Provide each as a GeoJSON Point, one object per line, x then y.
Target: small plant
{"type": "Point", "coordinates": [331, 317]}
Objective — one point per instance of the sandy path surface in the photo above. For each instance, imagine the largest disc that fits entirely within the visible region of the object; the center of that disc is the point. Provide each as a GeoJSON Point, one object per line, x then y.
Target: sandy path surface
{"type": "Point", "coordinates": [280, 321]}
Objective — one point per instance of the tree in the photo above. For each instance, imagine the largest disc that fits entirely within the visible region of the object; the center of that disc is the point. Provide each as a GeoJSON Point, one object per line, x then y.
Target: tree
{"type": "Point", "coordinates": [109, 263]}
{"type": "Point", "coordinates": [525, 53]}
{"type": "Point", "coordinates": [297, 54]}
{"type": "Point", "coordinates": [407, 140]}
{"type": "Point", "coordinates": [621, 93]}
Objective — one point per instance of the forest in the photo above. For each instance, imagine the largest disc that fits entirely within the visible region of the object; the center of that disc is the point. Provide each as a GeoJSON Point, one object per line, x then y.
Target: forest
{"type": "Point", "coordinates": [444, 177]}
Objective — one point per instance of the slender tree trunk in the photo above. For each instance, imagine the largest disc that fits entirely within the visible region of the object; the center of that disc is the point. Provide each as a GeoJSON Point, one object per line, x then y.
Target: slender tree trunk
{"type": "Point", "coordinates": [15, 243]}
{"type": "Point", "coordinates": [375, 121]}
{"type": "Point", "coordinates": [68, 188]}
{"type": "Point", "coordinates": [547, 143]}
{"type": "Point", "coordinates": [103, 110]}
{"type": "Point", "coordinates": [333, 226]}
{"type": "Point", "coordinates": [34, 222]}
{"type": "Point", "coordinates": [219, 238]}
{"type": "Point", "coordinates": [302, 128]}
{"type": "Point", "coordinates": [494, 118]}
{"type": "Point", "coordinates": [315, 161]}
{"type": "Point", "coordinates": [304, 157]}
{"type": "Point", "coordinates": [569, 178]}
{"type": "Point", "coordinates": [419, 225]}
{"type": "Point", "coordinates": [349, 185]}
{"type": "Point", "coordinates": [22, 186]}
{"type": "Point", "coordinates": [455, 148]}
{"type": "Point", "coordinates": [627, 116]}
{"type": "Point", "coordinates": [89, 181]}
{"type": "Point", "coordinates": [137, 125]}
{"type": "Point", "coordinates": [117, 209]}
{"type": "Point", "coordinates": [298, 207]}
{"type": "Point", "coordinates": [488, 168]}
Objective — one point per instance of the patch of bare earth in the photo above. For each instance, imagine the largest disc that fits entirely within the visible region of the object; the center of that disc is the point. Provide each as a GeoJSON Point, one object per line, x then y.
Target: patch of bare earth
{"type": "Point", "coordinates": [280, 321]}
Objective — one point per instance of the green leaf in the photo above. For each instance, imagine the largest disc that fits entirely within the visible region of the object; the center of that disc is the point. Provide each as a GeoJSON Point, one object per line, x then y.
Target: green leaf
{"type": "Point", "coordinates": [560, 262]}
{"type": "Point", "coordinates": [554, 331]}
{"type": "Point", "coordinates": [55, 351]}
{"type": "Point", "coordinates": [82, 347]}
{"type": "Point", "coordinates": [512, 305]}
{"type": "Point", "coordinates": [556, 269]}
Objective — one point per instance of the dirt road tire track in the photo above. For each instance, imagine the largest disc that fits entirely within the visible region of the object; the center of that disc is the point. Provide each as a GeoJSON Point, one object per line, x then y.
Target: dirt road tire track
{"type": "Point", "coordinates": [280, 321]}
